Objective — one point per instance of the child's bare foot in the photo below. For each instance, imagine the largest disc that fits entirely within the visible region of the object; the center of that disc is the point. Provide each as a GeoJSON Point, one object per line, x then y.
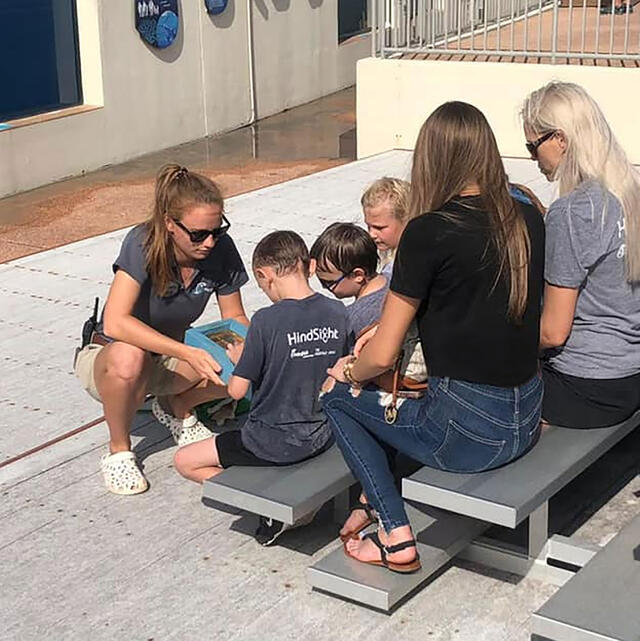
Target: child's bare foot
{"type": "Point", "coordinates": [367, 551]}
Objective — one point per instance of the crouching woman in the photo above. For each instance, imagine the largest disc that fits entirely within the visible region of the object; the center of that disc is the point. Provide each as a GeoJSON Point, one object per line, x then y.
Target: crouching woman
{"type": "Point", "coordinates": [166, 271]}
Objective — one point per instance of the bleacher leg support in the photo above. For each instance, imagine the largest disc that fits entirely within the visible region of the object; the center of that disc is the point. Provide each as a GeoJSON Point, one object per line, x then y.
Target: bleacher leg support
{"type": "Point", "coordinates": [538, 530]}
{"type": "Point", "coordinates": [534, 561]}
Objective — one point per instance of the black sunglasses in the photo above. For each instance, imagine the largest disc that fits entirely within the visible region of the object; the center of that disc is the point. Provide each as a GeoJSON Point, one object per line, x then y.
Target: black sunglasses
{"type": "Point", "coordinates": [198, 236]}
{"type": "Point", "coordinates": [332, 284]}
{"type": "Point", "coordinates": [532, 147]}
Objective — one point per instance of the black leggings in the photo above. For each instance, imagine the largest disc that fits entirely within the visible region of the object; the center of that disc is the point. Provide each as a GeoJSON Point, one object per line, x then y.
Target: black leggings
{"type": "Point", "coordinates": [570, 401]}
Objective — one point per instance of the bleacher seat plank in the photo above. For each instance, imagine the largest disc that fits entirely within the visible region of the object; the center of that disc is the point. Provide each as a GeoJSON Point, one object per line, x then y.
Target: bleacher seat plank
{"type": "Point", "coordinates": [601, 602]}
{"type": "Point", "coordinates": [507, 495]}
{"type": "Point", "coordinates": [441, 535]}
{"type": "Point", "coordinates": [285, 493]}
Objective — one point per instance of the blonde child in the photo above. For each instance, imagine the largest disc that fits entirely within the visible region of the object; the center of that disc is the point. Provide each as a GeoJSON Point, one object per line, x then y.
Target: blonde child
{"type": "Point", "coordinates": [385, 205]}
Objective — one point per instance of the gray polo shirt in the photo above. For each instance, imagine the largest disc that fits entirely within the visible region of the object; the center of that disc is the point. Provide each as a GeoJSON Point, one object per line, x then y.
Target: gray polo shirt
{"type": "Point", "coordinates": [221, 272]}
{"type": "Point", "coordinates": [585, 249]}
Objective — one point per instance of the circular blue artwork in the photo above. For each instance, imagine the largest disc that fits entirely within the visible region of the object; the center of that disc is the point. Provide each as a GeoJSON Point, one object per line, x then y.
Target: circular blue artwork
{"type": "Point", "coordinates": [166, 29]}
{"type": "Point", "coordinates": [215, 7]}
{"type": "Point", "coordinates": [157, 21]}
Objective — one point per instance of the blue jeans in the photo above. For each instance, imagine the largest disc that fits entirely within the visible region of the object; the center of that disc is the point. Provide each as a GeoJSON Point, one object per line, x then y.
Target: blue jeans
{"type": "Point", "coordinates": [457, 426]}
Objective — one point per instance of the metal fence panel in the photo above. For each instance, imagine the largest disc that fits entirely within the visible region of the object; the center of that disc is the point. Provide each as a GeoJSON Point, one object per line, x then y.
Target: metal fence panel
{"type": "Point", "coordinates": [558, 31]}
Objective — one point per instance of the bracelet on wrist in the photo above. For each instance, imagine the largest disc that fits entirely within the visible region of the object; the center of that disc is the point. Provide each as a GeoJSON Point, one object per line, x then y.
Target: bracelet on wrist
{"type": "Point", "coordinates": [347, 370]}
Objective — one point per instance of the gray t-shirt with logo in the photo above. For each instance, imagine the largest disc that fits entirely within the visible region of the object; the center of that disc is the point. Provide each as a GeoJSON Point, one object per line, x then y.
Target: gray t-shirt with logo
{"type": "Point", "coordinates": [585, 249]}
{"type": "Point", "coordinates": [287, 351]}
{"type": "Point", "coordinates": [221, 272]}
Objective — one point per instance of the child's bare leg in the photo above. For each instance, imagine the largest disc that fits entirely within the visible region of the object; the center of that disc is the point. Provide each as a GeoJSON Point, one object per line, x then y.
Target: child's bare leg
{"type": "Point", "coordinates": [198, 461]}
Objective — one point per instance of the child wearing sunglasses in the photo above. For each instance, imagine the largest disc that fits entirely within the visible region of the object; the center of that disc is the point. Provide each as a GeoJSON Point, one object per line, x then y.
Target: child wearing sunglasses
{"type": "Point", "coordinates": [284, 359]}
{"type": "Point", "coordinates": [346, 260]}
{"type": "Point", "coordinates": [164, 276]}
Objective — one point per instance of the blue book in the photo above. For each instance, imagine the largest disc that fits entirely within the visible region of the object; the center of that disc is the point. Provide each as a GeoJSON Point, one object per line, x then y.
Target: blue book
{"type": "Point", "coordinates": [214, 338]}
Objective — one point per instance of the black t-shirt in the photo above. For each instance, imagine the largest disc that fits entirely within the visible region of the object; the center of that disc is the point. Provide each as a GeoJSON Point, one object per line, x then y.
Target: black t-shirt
{"type": "Point", "coordinates": [451, 266]}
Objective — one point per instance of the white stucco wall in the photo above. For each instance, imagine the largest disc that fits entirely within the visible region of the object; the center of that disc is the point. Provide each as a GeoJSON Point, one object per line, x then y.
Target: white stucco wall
{"type": "Point", "coordinates": [297, 56]}
{"type": "Point", "coordinates": [394, 97]}
{"type": "Point", "coordinates": [151, 99]}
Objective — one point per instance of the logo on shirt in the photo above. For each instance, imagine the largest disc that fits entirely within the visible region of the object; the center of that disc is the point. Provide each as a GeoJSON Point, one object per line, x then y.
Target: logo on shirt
{"type": "Point", "coordinates": [203, 287]}
{"type": "Point", "coordinates": [308, 353]}
{"type": "Point", "coordinates": [621, 234]}
{"type": "Point", "coordinates": [322, 334]}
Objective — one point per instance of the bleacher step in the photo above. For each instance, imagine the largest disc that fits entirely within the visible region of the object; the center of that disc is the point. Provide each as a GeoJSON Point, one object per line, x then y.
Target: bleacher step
{"type": "Point", "coordinates": [600, 603]}
{"type": "Point", "coordinates": [507, 495]}
{"type": "Point", "coordinates": [441, 535]}
{"type": "Point", "coordinates": [285, 493]}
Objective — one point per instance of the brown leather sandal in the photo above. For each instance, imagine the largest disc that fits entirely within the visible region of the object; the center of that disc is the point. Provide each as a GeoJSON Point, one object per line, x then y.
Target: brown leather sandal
{"type": "Point", "coordinates": [371, 518]}
{"type": "Point", "coordinates": [400, 568]}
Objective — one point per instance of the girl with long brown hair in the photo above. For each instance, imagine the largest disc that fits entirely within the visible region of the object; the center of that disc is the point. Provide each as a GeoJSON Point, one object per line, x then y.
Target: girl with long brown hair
{"type": "Point", "coordinates": [469, 270]}
{"type": "Point", "coordinates": [167, 270]}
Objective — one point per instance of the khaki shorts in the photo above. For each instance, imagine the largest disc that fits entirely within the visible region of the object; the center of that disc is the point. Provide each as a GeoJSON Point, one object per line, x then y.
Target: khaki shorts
{"type": "Point", "coordinates": [161, 382]}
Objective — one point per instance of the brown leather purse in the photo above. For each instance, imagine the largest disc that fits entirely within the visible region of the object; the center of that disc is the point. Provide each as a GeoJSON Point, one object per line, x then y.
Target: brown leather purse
{"type": "Point", "coordinates": [397, 383]}
{"type": "Point", "coordinates": [399, 386]}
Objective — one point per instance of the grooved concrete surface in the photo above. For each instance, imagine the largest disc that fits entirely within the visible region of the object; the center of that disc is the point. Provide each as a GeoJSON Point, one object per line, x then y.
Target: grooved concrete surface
{"type": "Point", "coordinates": [80, 563]}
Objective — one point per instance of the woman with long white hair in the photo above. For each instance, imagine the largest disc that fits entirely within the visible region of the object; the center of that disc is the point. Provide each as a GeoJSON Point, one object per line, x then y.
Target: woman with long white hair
{"type": "Point", "coordinates": [590, 328]}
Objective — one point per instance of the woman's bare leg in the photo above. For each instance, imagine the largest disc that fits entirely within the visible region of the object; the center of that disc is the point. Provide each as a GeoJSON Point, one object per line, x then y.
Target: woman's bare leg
{"type": "Point", "coordinates": [189, 390]}
{"type": "Point", "coordinates": [121, 373]}
{"type": "Point", "coordinates": [183, 404]}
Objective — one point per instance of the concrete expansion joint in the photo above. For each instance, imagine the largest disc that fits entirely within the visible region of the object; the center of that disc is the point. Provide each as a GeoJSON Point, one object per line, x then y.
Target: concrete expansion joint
{"type": "Point", "coordinates": [86, 279]}
{"type": "Point", "coordinates": [57, 301]}
{"type": "Point", "coordinates": [34, 329]}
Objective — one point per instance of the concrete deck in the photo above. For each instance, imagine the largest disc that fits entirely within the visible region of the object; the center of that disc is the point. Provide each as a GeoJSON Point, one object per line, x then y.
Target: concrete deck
{"type": "Point", "coordinates": [80, 563]}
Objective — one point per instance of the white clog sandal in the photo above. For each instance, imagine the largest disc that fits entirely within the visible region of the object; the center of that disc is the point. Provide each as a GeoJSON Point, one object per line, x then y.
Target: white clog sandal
{"type": "Point", "coordinates": [184, 431]}
{"type": "Point", "coordinates": [122, 474]}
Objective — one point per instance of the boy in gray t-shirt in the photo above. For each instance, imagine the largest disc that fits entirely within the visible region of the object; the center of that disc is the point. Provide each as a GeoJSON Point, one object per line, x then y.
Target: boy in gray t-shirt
{"type": "Point", "coordinates": [284, 359]}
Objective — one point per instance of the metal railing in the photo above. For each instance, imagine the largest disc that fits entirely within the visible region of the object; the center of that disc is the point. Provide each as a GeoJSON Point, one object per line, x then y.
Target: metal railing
{"type": "Point", "coordinates": [549, 30]}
